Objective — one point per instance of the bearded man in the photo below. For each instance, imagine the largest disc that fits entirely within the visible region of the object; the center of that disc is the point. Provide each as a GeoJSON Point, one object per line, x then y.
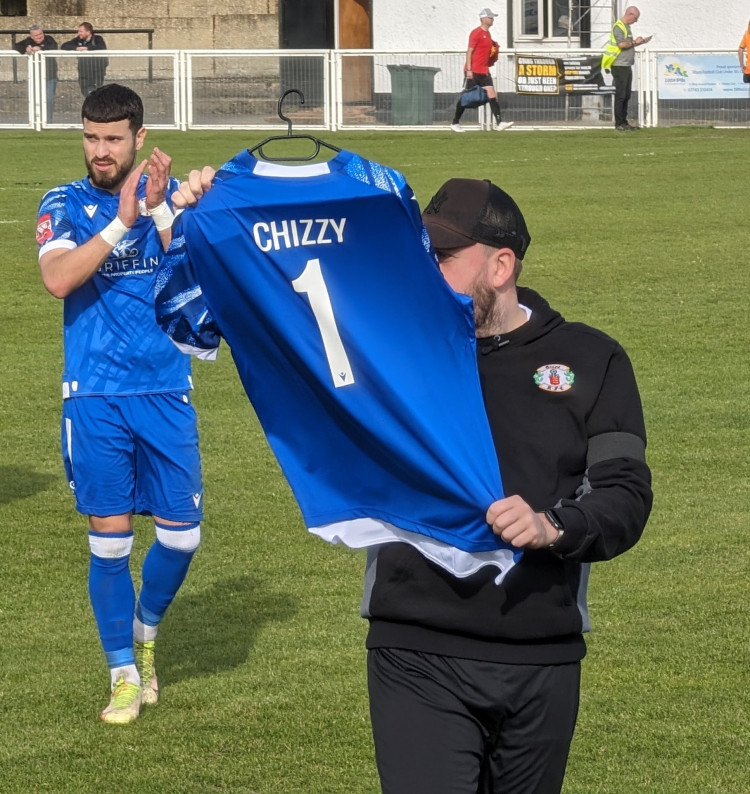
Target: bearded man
{"type": "Point", "coordinates": [129, 431]}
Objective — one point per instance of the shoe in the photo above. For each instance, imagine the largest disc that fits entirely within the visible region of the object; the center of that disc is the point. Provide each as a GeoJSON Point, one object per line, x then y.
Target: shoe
{"type": "Point", "coordinates": [503, 125]}
{"type": "Point", "coordinates": [624, 128]}
{"type": "Point", "coordinates": [631, 126]}
{"type": "Point", "coordinates": [457, 128]}
{"type": "Point", "coordinates": [144, 660]}
{"type": "Point", "coordinates": [124, 703]}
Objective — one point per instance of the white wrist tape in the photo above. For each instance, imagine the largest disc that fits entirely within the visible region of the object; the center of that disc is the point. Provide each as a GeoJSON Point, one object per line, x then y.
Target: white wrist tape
{"type": "Point", "coordinates": [113, 232]}
{"type": "Point", "coordinates": [162, 215]}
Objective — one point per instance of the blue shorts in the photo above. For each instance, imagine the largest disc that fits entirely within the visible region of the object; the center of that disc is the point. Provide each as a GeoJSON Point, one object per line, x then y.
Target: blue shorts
{"type": "Point", "coordinates": [135, 453]}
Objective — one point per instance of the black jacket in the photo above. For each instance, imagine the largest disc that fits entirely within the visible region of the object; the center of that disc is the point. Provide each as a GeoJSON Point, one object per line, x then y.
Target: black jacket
{"type": "Point", "coordinates": [568, 427]}
{"type": "Point", "coordinates": [96, 42]}
{"type": "Point", "coordinates": [89, 68]}
{"type": "Point", "coordinates": [48, 43]}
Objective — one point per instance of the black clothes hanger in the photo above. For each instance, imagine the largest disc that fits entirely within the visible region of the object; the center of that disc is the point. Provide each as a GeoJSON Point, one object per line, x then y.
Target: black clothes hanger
{"type": "Point", "coordinates": [318, 143]}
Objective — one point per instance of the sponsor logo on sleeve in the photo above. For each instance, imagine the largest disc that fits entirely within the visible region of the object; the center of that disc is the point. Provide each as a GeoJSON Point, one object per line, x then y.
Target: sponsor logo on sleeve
{"type": "Point", "coordinates": [44, 229]}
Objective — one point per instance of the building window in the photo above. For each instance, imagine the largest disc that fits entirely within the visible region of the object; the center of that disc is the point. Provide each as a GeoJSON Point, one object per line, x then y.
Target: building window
{"type": "Point", "coordinates": [548, 19]}
{"type": "Point", "coordinates": [13, 8]}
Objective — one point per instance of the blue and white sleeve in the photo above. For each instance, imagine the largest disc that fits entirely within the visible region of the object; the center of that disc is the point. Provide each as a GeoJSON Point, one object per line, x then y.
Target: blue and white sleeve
{"type": "Point", "coordinates": [181, 310]}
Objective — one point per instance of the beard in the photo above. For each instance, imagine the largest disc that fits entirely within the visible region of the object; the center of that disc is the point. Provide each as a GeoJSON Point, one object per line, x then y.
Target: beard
{"type": "Point", "coordinates": [109, 181]}
{"type": "Point", "coordinates": [488, 313]}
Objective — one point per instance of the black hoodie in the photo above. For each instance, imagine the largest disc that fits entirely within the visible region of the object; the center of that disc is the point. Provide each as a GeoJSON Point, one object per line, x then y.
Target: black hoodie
{"type": "Point", "coordinates": [568, 427]}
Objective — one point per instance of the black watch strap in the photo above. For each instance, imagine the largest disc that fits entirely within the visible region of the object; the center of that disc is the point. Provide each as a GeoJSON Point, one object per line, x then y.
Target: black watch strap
{"type": "Point", "coordinates": [557, 524]}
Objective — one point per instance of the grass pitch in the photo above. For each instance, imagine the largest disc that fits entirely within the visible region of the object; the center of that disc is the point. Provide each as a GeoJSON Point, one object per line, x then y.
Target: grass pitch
{"type": "Point", "coordinates": [261, 658]}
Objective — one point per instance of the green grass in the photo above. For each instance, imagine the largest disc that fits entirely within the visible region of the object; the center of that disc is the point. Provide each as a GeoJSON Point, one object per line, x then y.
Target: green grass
{"type": "Point", "coordinates": [261, 657]}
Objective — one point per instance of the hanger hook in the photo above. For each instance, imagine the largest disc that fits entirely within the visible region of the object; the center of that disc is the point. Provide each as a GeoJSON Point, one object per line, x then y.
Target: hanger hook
{"type": "Point", "coordinates": [281, 101]}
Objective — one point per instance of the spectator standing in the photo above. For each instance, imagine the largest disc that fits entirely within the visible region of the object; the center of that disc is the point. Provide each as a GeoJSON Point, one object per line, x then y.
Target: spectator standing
{"type": "Point", "coordinates": [91, 71]}
{"type": "Point", "coordinates": [619, 57]}
{"type": "Point", "coordinates": [474, 686]}
{"type": "Point", "coordinates": [35, 41]}
{"type": "Point", "coordinates": [480, 56]}
{"type": "Point", "coordinates": [129, 432]}
{"type": "Point", "coordinates": [742, 54]}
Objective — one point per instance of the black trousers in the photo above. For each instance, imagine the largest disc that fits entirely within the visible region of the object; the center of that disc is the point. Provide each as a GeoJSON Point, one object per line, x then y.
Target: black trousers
{"type": "Point", "coordinates": [623, 80]}
{"type": "Point", "coordinates": [444, 725]}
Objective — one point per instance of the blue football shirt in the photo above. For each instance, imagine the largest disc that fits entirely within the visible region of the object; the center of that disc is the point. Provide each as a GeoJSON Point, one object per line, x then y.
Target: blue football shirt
{"type": "Point", "coordinates": [112, 342]}
{"type": "Point", "coordinates": [357, 356]}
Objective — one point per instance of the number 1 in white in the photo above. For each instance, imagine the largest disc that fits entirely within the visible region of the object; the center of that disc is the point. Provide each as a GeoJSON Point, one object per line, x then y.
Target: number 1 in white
{"type": "Point", "coordinates": [311, 283]}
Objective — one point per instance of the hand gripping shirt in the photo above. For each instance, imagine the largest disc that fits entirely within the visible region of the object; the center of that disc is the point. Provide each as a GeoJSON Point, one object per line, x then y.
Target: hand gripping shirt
{"type": "Point", "coordinates": [112, 342]}
{"type": "Point", "coordinates": [322, 281]}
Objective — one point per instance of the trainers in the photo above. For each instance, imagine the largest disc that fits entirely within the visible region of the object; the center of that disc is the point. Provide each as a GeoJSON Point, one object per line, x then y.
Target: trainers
{"type": "Point", "coordinates": [124, 703]}
{"type": "Point", "coordinates": [457, 128]}
{"type": "Point", "coordinates": [144, 660]}
{"type": "Point", "coordinates": [503, 125]}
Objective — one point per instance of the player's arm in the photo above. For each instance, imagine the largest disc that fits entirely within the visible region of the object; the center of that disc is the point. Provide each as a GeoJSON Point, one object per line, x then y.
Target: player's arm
{"type": "Point", "coordinates": [65, 269]}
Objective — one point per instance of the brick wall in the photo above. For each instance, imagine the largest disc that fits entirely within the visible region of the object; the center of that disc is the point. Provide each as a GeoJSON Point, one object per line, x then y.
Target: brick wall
{"type": "Point", "coordinates": [177, 24]}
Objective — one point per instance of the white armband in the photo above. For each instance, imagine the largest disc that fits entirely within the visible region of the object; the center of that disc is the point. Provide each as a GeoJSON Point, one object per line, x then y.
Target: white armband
{"type": "Point", "coordinates": [163, 216]}
{"type": "Point", "coordinates": [113, 232]}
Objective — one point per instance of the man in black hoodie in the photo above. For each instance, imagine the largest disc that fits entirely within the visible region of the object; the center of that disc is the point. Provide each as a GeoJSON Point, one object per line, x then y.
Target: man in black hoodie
{"type": "Point", "coordinates": [474, 685]}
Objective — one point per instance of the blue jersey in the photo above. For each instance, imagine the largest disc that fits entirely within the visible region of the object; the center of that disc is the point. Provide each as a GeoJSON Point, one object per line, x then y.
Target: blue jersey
{"type": "Point", "coordinates": [112, 342]}
{"type": "Point", "coordinates": [357, 356]}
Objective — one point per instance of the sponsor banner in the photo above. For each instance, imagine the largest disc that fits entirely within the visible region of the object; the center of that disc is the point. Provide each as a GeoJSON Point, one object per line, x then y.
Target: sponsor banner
{"type": "Point", "coordinates": [700, 76]}
{"type": "Point", "coordinates": [568, 74]}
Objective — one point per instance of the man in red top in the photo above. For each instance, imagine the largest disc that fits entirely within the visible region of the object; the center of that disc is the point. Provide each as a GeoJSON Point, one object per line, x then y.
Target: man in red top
{"type": "Point", "coordinates": [482, 54]}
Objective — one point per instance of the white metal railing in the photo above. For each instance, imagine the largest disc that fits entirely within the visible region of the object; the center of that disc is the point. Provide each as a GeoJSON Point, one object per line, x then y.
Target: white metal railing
{"type": "Point", "coordinates": [362, 89]}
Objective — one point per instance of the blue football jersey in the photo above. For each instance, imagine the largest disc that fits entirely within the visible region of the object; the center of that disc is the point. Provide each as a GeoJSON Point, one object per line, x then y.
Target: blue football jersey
{"type": "Point", "coordinates": [357, 356]}
{"type": "Point", "coordinates": [112, 342]}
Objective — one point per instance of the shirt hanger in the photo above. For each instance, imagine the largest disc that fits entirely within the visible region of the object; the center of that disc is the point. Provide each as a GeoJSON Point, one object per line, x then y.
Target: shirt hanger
{"type": "Point", "coordinates": [276, 158]}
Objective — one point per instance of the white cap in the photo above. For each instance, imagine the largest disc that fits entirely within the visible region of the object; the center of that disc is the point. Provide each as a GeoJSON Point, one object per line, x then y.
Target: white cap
{"type": "Point", "coordinates": [485, 12]}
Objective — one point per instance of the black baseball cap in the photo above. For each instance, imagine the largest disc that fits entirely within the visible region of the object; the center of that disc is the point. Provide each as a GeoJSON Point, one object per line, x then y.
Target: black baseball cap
{"type": "Point", "coordinates": [468, 211]}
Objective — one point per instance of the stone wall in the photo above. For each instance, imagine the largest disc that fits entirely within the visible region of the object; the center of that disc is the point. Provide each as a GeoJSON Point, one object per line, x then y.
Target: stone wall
{"type": "Point", "coordinates": [177, 24]}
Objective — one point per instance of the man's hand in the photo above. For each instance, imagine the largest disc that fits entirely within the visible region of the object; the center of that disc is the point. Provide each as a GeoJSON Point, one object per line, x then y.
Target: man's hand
{"type": "Point", "coordinates": [516, 523]}
{"type": "Point", "coordinates": [127, 210]}
{"type": "Point", "coordinates": [159, 165]}
{"type": "Point", "coordinates": [198, 183]}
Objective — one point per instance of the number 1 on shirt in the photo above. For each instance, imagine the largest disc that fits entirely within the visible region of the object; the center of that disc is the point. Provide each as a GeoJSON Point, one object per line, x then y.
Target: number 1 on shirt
{"type": "Point", "coordinates": [311, 283]}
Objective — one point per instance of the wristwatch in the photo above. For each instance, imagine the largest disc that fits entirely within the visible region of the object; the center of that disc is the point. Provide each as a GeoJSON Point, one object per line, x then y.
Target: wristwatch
{"type": "Point", "coordinates": [551, 516]}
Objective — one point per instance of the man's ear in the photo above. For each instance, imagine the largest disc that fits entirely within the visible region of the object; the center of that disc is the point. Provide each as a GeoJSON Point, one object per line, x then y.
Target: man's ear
{"type": "Point", "coordinates": [503, 263]}
{"type": "Point", "coordinates": [140, 138]}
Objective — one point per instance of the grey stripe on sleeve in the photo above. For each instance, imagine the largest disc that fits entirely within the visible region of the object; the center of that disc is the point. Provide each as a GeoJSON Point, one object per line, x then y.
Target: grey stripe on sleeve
{"type": "Point", "coordinates": [615, 445]}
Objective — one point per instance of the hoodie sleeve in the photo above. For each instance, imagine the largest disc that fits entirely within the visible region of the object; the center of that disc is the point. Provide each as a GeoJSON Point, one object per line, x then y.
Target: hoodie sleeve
{"type": "Point", "coordinates": [612, 504]}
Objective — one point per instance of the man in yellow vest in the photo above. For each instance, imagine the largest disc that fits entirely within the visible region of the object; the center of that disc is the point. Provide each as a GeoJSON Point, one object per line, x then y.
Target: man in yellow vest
{"type": "Point", "coordinates": [619, 56]}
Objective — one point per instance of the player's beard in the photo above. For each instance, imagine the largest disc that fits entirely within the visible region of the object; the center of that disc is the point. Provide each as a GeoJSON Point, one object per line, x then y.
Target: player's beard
{"type": "Point", "coordinates": [110, 181]}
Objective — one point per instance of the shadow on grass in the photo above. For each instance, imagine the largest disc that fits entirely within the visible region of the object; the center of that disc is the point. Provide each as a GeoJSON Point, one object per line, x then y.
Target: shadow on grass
{"type": "Point", "coordinates": [20, 482]}
{"type": "Point", "coordinates": [214, 630]}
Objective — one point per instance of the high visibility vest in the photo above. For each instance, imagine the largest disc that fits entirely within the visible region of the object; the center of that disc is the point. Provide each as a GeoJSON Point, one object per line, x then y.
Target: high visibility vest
{"type": "Point", "coordinates": [611, 51]}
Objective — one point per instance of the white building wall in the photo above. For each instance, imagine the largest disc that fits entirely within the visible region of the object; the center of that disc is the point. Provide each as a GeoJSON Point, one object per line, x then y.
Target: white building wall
{"type": "Point", "coordinates": [445, 24]}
